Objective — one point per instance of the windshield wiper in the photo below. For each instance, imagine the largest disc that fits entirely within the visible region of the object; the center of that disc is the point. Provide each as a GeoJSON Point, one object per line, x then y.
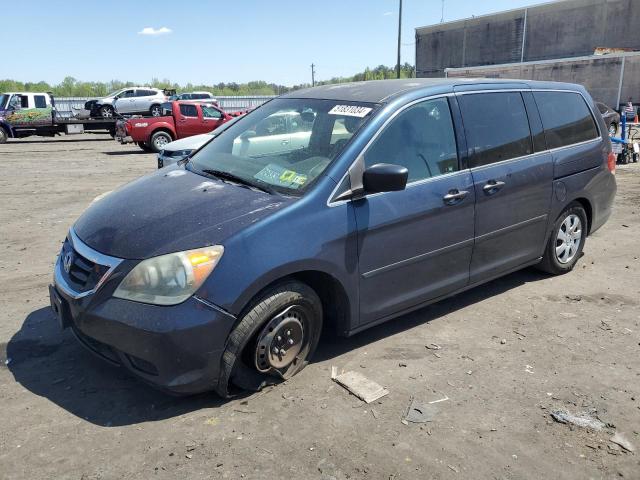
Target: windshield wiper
{"type": "Point", "coordinates": [237, 179]}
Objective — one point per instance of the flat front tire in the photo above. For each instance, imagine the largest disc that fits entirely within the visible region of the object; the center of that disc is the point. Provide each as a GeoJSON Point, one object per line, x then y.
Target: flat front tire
{"type": "Point", "coordinates": [566, 241]}
{"type": "Point", "coordinates": [273, 339]}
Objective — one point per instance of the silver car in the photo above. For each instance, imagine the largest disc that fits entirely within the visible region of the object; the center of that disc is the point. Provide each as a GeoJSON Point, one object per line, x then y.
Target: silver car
{"type": "Point", "coordinates": [141, 100]}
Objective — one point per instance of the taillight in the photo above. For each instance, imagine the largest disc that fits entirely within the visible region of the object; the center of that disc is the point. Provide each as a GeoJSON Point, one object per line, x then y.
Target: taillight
{"type": "Point", "coordinates": [611, 162]}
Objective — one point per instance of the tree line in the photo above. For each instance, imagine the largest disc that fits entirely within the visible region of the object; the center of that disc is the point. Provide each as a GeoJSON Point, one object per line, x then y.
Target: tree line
{"type": "Point", "coordinates": [71, 87]}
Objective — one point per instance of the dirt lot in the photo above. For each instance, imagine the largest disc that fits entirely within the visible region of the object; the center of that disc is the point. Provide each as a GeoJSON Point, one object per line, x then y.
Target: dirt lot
{"type": "Point", "coordinates": [511, 351]}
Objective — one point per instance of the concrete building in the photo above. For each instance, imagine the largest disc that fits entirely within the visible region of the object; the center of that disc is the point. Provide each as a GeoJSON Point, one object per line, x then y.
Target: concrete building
{"type": "Point", "coordinates": [551, 41]}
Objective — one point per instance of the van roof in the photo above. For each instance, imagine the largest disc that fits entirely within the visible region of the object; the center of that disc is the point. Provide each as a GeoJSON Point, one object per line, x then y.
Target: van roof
{"type": "Point", "coordinates": [382, 91]}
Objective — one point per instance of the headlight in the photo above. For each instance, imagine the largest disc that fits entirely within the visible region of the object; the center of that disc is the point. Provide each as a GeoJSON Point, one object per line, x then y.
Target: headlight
{"type": "Point", "coordinates": [169, 279]}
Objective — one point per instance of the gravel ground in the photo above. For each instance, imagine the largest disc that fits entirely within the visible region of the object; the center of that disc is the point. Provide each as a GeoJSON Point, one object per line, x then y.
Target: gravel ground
{"type": "Point", "coordinates": [509, 353]}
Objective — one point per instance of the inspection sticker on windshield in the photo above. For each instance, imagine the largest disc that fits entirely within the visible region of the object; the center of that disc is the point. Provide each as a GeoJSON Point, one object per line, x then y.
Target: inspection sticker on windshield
{"type": "Point", "coordinates": [350, 110]}
{"type": "Point", "coordinates": [277, 175]}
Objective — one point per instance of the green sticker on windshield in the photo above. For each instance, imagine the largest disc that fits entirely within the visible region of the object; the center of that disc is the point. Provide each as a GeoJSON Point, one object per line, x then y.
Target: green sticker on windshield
{"type": "Point", "coordinates": [280, 176]}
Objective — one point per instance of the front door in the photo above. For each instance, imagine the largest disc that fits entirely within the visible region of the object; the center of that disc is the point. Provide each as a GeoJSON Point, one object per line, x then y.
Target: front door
{"type": "Point", "coordinates": [212, 118]}
{"type": "Point", "coordinates": [415, 245]}
{"type": "Point", "coordinates": [126, 102]}
{"type": "Point", "coordinates": [187, 121]}
{"type": "Point", "coordinates": [512, 182]}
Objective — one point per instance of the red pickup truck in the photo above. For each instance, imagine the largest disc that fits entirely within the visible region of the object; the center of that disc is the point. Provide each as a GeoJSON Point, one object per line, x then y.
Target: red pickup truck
{"type": "Point", "coordinates": [184, 120]}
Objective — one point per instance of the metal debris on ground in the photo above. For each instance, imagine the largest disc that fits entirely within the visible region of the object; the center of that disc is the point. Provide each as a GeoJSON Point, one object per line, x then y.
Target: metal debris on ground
{"type": "Point", "coordinates": [620, 439]}
{"type": "Point", "coordinates": [419, 412]}
{"type": "Point", "coordinates": [583, 420]}
{"type": "Point", "coordinates": [360, 386]}
{"type": "Point", "coordinates": [433, 346]}
{"type": "Point", "coordinates": [443, 399]}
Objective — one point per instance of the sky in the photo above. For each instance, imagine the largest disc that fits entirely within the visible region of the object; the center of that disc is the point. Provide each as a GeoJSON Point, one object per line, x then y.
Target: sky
{"type": "Point", "coordinates": [212, 41]}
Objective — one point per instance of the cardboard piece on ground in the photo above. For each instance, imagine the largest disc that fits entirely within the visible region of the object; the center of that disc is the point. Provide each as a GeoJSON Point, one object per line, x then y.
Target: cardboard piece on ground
{"type": "Point", "coordinates": [361, 386]}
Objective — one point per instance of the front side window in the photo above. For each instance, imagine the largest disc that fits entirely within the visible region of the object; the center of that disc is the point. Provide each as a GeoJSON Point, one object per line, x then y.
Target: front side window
{"type": "Point", "coordinates": [189, 110]}
{"type": "Point", "coordinates": [127, 94]}
{"type": "Point", "coordinates": [258, 148]}
{"type": "Point", "coordinates": [565, 117]}
{"type": "Point", "coordinates": [497, 127]}
{"type": "Point", "coordinates": [210, 112]}
{"type": "Point", "coordinates": [421, 138]}
{"type": "Point", "coordinates": [41, 101]}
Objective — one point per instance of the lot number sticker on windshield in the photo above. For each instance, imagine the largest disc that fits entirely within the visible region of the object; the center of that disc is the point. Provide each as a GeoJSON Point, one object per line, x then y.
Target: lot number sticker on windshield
{"type": "Point", "coordinates": [277, 175]}
{"type": "Point", "coordinates": [350, 110]}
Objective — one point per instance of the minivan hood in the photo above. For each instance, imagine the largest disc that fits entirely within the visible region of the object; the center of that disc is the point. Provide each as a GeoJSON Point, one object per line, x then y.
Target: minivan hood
{"type": "Point", "coordinates": [189, 143]}
{"type": "Point", "coordinates": [171, 210]}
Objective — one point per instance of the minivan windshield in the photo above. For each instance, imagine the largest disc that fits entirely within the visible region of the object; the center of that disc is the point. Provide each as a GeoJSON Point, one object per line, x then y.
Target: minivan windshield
{"type": "Point", "coordinates": [284, 145]}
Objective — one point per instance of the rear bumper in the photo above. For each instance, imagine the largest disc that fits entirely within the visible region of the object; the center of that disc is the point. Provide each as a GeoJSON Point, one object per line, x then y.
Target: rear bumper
{"type": "Point", "coordinates": [177, 348]}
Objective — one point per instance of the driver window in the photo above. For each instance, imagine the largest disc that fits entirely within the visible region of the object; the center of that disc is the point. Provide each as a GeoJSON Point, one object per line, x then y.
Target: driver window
{"type": "Point", "coordinates": [421, 138]}
{"type": "Point", "coordinates": [210, 112]}
{"type": "Point", "coordinates": [127, 94]}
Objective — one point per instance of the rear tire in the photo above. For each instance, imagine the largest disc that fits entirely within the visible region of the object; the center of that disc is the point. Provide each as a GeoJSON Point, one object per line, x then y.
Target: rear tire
{"type": "Point", "coordinates": [159, 140]}
{"type": "Point", "coordinates": [286, 318]}
{"type": "Point", "coordinates": [144, 147]}
{"type": "Point", "coordinates": [566, 241]}
{"type": "Point", "coordinates": [155, 111]}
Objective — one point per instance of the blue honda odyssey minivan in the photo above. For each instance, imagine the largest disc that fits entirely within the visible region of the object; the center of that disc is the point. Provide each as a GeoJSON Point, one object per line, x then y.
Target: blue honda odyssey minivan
{"type": "Point", "coordinates": [374, 199]}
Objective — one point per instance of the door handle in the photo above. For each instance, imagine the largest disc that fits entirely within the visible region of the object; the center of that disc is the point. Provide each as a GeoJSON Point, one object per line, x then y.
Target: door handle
{"type": "Point", "coordinates": [492, 186]}
{"type": "Point", "coordinates": [454, 196]}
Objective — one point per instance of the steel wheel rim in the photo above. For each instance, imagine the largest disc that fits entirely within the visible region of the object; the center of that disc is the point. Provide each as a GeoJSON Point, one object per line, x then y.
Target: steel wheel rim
{"type": "Point", "coordinates": [161, 141]}
{"type": "Point", "coordinates": [281, 340]}
{"type": "Point", "coordinates": [155, 111]}
{"type": "Point", "coordinates": [568, 239]}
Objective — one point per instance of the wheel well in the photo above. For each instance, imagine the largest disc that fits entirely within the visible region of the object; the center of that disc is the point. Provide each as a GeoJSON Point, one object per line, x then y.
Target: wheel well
{"type": "Point", "coordinates": [588, 210]}
{"type": "Point", "coordinates": [335, 302]}
{"type": "Point", "coordinates": [158, 130]}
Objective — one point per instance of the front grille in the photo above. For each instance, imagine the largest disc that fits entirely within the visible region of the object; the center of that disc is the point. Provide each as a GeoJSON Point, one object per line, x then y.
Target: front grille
{"type": "Point", "coordinates": [81, 273]}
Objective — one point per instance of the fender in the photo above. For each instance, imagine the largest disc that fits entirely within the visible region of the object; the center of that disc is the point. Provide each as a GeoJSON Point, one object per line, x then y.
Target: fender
{"type": "Point", "coordinates": [161, 125]}
{"type": "Point", "coordinates": [9, 129]}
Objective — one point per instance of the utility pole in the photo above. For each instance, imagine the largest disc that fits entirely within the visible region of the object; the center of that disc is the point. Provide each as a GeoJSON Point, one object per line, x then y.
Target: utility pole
{"type": "Point", "coordinates": [313, 75]}
{"type": "Point", "coordinates": [399, 38]}
{"type": "Point", "coordinates": [442, 17]}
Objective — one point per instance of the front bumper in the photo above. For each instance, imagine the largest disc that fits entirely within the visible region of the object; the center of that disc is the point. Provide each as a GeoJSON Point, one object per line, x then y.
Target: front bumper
{"type": "Point", "coordinates": [176, 348]}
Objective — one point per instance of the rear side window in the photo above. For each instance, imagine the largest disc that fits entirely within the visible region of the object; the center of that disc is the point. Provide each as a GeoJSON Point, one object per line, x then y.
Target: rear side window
{"type": "Point", "coordinates": [189, 110]}
{"type": "Point", "coordinates": [24, 101]}
{"type": "Point", "coordinates": [41, 102]}
{"type": "Point", "coordinates": [566, 118]}
{"type": "Point", "coordinates": [421, 138]}
{"type": "Point", "coordinates": [497, 127]}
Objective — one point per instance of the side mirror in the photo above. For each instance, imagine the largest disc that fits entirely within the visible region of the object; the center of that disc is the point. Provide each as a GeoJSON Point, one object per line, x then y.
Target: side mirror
{"type": "Point", "coordinates": [384, 177]}
{"type": "Point", "coordinates": [247, 135]}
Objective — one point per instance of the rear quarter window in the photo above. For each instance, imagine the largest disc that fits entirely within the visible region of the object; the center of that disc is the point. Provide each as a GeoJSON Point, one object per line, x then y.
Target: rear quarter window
{"type": "Point", "coordinates": [566, 118]}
